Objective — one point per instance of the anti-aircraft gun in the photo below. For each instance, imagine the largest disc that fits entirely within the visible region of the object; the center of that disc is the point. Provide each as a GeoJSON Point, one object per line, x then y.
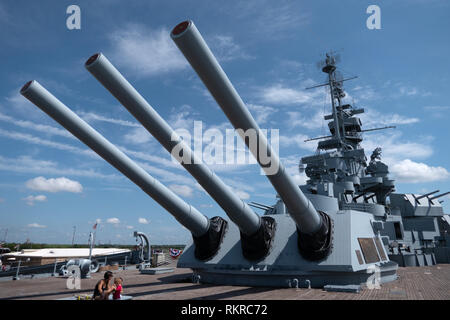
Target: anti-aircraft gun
{"type": "Point", "coordinates": [143, 252]}
{"type": "Point", "coordinates": [421, 239]}
{"type": "Point", "coordinates": [306, 239]}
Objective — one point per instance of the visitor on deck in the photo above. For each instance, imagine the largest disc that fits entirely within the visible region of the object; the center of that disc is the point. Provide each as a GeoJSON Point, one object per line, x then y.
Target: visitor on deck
{"type": "Point", "coordinates": [104, 287]}
{"type": "Point", "coordinates": [117, 295]}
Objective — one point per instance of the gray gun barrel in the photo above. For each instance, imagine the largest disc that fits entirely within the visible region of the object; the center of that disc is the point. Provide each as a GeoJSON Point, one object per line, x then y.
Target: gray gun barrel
{"type": "Point", "coordinates": [427, 194]}
{"type": "Point", "coordinates": [440, 195]}
{"type": "Point", "coordinates": [238, 211]}
{"type": "Point", "coordinates": [187, 215]}
{"type": "Point", "coordinates": [190, 42]}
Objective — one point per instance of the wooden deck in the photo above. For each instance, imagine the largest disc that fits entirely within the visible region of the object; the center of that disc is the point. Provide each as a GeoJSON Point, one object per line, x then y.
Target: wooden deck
{"type": "Point", "coordinates": [430, 283]}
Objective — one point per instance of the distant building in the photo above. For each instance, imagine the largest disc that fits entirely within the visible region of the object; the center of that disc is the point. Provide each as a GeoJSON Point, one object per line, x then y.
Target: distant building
{"type": "Point", "coordinates": [4, 250]}
{"type": "Point", "coordinates": [47, 256]}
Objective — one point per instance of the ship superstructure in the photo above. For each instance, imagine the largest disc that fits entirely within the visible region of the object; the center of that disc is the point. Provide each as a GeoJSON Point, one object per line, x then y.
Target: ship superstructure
{"type": "Point", "coordinates": [413, 227]}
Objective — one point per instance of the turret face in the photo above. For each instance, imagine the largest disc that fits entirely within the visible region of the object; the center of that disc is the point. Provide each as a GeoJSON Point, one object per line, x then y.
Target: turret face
{"type": "Point", "coordinates": [190, 42]}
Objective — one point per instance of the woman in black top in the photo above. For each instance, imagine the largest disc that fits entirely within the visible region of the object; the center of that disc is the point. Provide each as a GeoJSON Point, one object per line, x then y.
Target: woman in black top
{"type": "Point", "coordinates": [103, 288]}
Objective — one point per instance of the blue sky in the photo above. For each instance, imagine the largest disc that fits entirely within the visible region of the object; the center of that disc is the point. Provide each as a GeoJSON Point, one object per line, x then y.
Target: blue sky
{"type": "Point", "coordinates": [50, 182]}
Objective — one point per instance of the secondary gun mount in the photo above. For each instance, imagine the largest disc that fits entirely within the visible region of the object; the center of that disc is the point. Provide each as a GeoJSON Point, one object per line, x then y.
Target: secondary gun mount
{"type": "Point", "coordinates": [143, 256]}
{"type": "Point", "coordinates": [439, 196]}
{"type": "Point", "coordinates": [199, 225]}
{"type": "Point", "coordinates": [256, 232]}
{"type": "Point", "coordinates": [314, 228]}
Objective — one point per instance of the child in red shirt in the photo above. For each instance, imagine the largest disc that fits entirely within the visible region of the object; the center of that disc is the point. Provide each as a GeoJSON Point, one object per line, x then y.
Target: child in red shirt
{"type": "Point", "coordinates": [118, 284]}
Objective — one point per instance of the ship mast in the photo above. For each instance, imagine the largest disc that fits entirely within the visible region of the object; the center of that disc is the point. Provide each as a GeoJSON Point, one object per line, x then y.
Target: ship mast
{"type": "Point", "coordinates": [330, 69]}
{"type": "Point", "coordinates": [344, 134]}
{"type": "Point", "coordinates": [336, 94]}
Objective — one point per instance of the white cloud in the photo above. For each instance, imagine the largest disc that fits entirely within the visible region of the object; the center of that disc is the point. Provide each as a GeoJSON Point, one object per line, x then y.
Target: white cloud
{"type": "Point", "coordinates": [262, 112]}
{"type": "Point", "coordinates": [415, 172]}
{"type": "Point", "coordinates": [26, 164]}
{"type": "Point", "coordinates": [113, 221]}
{"type": "Point", "coordinates": [47, 143]}
{"type": "Point", "coordinates": [300, 179]}
{"type": "Point", "coordinates": [225, 49]}
{"type": "Point", "coordinates": [146, 52]}
{"type": "Point", "coordinates": [166, 162]}
{"type": "Point", "coordinates": [23, 106]}
{"type": "Point", "coordinates": [371, 118]}
{"type": "Point", "coordinates": [283, 16]}
{"type": "Point", "coordinates": [392, 89]}
{"type": "Point", "coordinates": [36, 225]}
{"type": "Point", "coordinates": [35, 126]}
{"type": "Point", "coordinates": [291, 164]}
{"type": "Point", "coordinates": [394, 148]}
{"type": "Point", "coordinates": [30, 200]}
{"type": "Point", "coordinates": [298, 140]}
{"type": "Point", "coordinates": [166, 175]}
{"type": "Point", "coordinates": [242, 194]}
{"type": "Point", "coordinates": [278, 94]}
{"type": "Point", "coordinates": [296, 119]}
{"type": "Point", "coordinates": [181, 118]}
{"type": "Point", "coordinates": [137, 136]}
{"type": "Point", "coordinates": [398, 154]}
{"type": "Point", "coordinates": [238, 184]}
{"type": "Point", "coordinates": [143, 221]}
{"type": "Point", "coordinates": [182, 190]}
{"type": "Point", "coordinates": [91, 116]}
{"type": "Point", "coordinates": [364, 93]}
{"type": "Point", "coordinates": [54, 185]}
{"type": "Point", "coordinates": [129, 227]}
{"type": "Point", "coordinates": [407, 91]}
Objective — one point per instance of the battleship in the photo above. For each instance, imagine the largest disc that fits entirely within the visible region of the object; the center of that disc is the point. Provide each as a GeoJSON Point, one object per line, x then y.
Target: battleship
{"type": "Point", "coordinates": [345, 227]}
